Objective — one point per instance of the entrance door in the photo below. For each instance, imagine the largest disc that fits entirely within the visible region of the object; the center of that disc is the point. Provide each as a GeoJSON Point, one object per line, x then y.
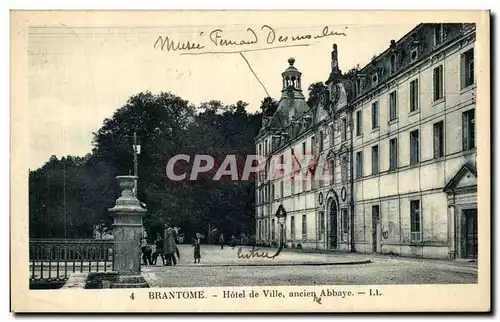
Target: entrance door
{"type": "Point", "coordinates": [282, 234]}
{"type": "Point", "coordinates": [470, 229]}
{"type": "Point", "coordinates": [375, 228]}
{"type": "Point", "coordinates": [333, 225]}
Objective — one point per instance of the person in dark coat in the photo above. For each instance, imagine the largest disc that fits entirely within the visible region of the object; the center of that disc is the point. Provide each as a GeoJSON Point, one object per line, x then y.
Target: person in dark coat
{"type": "Point", "coordinates": [197, 246]}
{"type": "Point", "coordinates": [169, 246]}
{"type": "Point", "coordinates": [159, 250]}
{"type": "Point", "coordinates": [146, 252]}
{"type": "Point", "coordinates": [221, 241]}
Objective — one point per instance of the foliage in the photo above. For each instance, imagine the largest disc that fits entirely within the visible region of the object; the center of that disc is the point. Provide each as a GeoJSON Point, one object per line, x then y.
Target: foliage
{"type": "Point", "coordinates": [351, 73]}
{"type": "Point", "coordinates": [268, 106]}
{"type": "Point", "coordinates": [315, 92]}
{"type": "Point", "coordinates": [68, 196]}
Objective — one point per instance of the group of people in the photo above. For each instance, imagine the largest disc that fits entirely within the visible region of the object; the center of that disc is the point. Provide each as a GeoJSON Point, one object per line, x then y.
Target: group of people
{"type": "Point", "coordinates": [166, 248]}
{"type": "Point", "coordinates": [222, 241]}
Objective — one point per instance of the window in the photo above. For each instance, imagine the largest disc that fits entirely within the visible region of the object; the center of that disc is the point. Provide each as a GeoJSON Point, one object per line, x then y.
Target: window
{"type": "Point", "coordinates": [292, 185]}
{"type": "Point", "coordinates": [359, 165]}
{"type": "Point", "coordinates": [282, 193]}
{"type": "Point", "coordinates": [374, 115]}
{"type": "Point", "coordinates": [260, 149]}
{"type": "Point", "coordinates": [304, 227]}
{"type": "Point", "coordinates": [438, 34]}
{"type": "Point", "coordinates": [282, 162]}
{"type": "Point", "coordinates": [272, 192]}
{"type": "Point", "coordinates": [374, 79]}
{"type": "Point", "coordinates": [313, 145]}
{"type": "Point", "coordinates": [292, 227]}
{"type": "Point", "coordinates": [438, 139]}
{"type": "Point", "coordinates": [414, 95]}
{"type": "Point", "coordinates": [265, 147]}
{"type": "Point", "coordinates": [343, 129]}
{"type": "Point", "coordinates": [343, 169]}
{"type": "Point", "coordinates": [332, 135]}
{"type": "Point", "coordinates": [393, 154]}
{"type": "Point", "coordinates": [321, 141]}
{"type": "Point", "coordinates": [264, 229]}
{"type": "Point", "coordinates": [416, 226]}
{"type": "Point", "coordinates": [303, 148]}
{"type": "Point", "coordinates": [438, 82]}
{"type": "Point", "coordinates": [393, 112]}
{"type": "Point", "coordinates": [260, 230]}
{"type": "Point", "coordinates": [345, 225]}
{"type": "Point", "coordinates": [468, 130]}
{"type": "Point", "coordinates": [321, 223]}
{"type": "Point", "coordinates": [273, 230]}
{"type": "Point", "coordinates": [414, 54]}
{"type": "Point", "coordinates": [375, 159]}
{"type": "Point", "coordinates": [358, 85]}
{"type": "Point", "coordinates": [359, 123]}
{"type": "Point", "coordinates": [331, 169]}
{"type": "Point", "coordinates": [467, 68]}
{"type": "Point", "coordinates": [414, 147]}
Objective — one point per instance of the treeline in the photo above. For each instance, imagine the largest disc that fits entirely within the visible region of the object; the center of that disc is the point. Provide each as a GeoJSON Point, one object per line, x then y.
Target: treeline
{"type": "Point", "coordinates": [69, 196]}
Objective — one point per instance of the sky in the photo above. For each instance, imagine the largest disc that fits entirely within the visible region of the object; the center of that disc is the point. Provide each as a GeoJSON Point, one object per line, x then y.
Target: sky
{"type": "Point", "coordinates": [80, 75]}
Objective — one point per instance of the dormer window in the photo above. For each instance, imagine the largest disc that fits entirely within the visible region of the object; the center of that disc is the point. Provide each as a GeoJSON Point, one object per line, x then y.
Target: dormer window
{"type": "Point", "coordinates": [374, 79]}
{"type": "Point", "coordinates": [358, 85]}
{"type": "Point", "coordinates": [414, 54]}
{"type": "Point", "coordinates": [438, 34]}
{"type": "Point", "coordinates": [393, 63]}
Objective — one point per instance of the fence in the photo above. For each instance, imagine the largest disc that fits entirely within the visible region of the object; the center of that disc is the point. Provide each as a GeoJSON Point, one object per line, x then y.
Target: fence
{"type": "Point", "coordinates": [56, 259]}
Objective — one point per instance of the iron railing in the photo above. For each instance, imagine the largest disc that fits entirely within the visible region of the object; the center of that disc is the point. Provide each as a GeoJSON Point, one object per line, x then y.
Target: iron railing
{"type": "Point", "coordinates": [56, 259]}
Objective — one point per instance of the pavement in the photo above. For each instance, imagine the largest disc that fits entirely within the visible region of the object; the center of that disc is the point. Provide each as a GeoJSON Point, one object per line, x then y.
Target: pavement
{"type": "Point", "coordinates": [224, 267]}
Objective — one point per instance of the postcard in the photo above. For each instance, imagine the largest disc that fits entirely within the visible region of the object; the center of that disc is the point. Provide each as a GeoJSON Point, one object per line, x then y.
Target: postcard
{"type": "Point", "coordinates": [250, 161]}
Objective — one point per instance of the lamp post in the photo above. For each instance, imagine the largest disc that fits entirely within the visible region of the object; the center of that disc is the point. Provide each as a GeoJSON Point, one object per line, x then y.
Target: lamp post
{"type": "Point", "coordinates": [137, 151]}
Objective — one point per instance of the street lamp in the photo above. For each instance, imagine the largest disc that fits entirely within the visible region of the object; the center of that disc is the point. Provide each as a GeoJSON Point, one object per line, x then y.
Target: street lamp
{"type": "Point", "coordinates": [137, 151]}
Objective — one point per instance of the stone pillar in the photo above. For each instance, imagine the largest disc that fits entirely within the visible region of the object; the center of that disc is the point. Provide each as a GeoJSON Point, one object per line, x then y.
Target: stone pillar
{"type": "Point", "coordinates": [127, 231]}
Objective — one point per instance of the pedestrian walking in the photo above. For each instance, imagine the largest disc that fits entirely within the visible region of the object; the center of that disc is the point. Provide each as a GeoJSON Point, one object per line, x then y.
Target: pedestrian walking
{"type": "Point", "coordinates": [159, 250]}
{"type": "Point", "coordinates": [221, 241]}
{"type": "Point", "coordinates": [146, 252]}
{"type": "Point", "coordinates": [233, 241]}
{"type": "Point", "coordinates": [177, 253]}
{"type": "Point", "coordinates": [169, 246]}
{"type": "Point", "coordinates": [197, 246]}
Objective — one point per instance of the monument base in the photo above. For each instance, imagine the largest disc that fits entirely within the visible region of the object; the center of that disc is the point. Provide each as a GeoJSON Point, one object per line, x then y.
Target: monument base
{"type": "Point", "coordinates": [130, 281]}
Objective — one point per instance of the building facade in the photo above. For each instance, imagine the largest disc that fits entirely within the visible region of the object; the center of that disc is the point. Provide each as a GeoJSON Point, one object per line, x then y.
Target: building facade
{"type": "Point", "coordinates": [391, 150]}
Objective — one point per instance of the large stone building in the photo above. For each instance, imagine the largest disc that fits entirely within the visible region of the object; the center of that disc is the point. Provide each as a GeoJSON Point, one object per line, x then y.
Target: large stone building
{"type": "Point", "coordinates": [393, 152]}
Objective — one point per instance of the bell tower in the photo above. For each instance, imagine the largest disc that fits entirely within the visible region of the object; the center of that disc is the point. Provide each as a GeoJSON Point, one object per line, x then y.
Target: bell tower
{"type": "Point", "coordinates": [291, 79]}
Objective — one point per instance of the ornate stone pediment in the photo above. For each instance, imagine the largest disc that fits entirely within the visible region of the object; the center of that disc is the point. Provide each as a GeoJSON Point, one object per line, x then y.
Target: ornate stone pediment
{"type": "Point", "coordinates": [466, 177]}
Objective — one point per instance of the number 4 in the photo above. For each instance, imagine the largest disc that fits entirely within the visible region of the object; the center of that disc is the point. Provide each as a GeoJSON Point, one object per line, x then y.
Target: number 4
{"type": "Point", "coordinates": [132, 296]}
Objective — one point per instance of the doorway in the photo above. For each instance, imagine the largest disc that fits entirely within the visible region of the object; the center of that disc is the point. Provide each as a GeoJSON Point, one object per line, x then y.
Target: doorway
{"type": "Point", "coordinates": [375, 229]}
{"type": "Point", "coordinates": [470, 233]}
{"type": "Point", "coordinates": [282, 235]}
{"type": "Point", "coordinates": [333, 225]}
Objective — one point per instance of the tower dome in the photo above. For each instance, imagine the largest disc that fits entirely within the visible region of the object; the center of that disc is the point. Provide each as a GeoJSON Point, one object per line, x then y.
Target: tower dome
{"type": "Point", "coordinates": [291, 77]}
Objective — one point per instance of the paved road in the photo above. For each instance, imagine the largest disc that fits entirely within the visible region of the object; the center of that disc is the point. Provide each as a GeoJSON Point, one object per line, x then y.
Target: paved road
{"type": "Point", "coordinates": [224, 268]}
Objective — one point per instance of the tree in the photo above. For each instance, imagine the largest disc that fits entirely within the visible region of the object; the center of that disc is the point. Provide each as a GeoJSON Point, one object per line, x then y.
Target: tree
{"type": "Point", "coordinates": [315, 90]}
{"type": "Point", "coordinates": [268, 106]}
{"type": "Point", "coordinates": [68, 197]}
